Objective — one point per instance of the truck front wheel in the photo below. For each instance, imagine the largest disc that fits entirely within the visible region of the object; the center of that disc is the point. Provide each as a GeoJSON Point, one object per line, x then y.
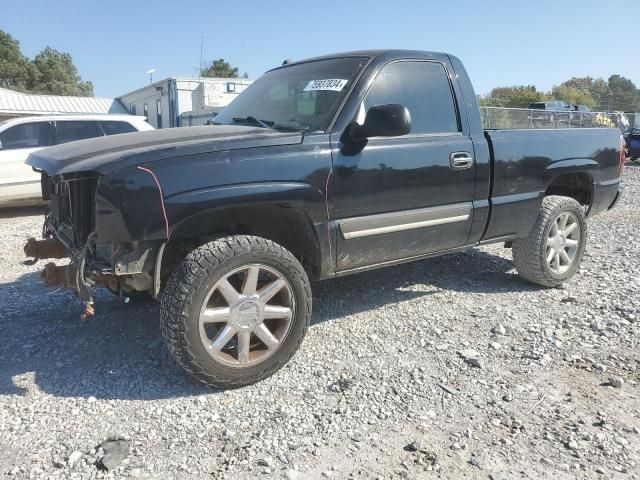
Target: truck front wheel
{"type": "Point", "coordinates": [552, 252]}
{"type": "Point", "coordinates": [236, 310]}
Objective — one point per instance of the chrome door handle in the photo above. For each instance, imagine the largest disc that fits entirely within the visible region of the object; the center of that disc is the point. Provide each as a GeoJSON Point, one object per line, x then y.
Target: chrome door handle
{"type": "Point", "coordinates": [461, 160]}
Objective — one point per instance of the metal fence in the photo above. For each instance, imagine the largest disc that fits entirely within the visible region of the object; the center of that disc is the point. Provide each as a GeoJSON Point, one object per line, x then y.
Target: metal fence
{"type": "Point", "coordinates": [510, 118]}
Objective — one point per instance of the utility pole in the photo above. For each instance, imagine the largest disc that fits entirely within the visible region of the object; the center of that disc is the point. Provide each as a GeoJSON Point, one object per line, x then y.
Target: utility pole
{"type": "Point", "coordinates": [201, 58]}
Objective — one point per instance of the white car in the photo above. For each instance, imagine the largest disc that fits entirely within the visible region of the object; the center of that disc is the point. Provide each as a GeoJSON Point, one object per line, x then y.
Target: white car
{"type": "Point", "coordinates": [19, 184]}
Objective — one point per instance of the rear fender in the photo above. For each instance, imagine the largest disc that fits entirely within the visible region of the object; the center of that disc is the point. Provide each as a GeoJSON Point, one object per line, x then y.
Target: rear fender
{"type": "Point", "coordinates": [513, 215]}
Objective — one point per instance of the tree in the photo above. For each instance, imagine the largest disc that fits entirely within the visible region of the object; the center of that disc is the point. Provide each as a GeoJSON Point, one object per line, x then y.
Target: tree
{"type": "Point", "coordinates": [616, 94]}
{"type": "Point", "coordinates": [597, 88]}
{"type": "Point", "coordinates": [573, 96]}
{"type": "Point", "coordinates": [51, 72]}
{"type": "Point", "coordinates": [519, 96]}
{"type": "Point", "coordinates": [15, 69]}
{"type": "Point", "coordinates": [624, 94]}
{"type": "Point", "coordinates": [57, 75]}
{"type": "Point", "coordinates": [220, 69]}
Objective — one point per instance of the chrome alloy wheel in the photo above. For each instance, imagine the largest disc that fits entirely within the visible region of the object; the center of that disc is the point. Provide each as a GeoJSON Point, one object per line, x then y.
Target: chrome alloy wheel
{"type": "Point", "coordinates": [563, 243]}
{"type": "Point", "coordinates": [246, 315]}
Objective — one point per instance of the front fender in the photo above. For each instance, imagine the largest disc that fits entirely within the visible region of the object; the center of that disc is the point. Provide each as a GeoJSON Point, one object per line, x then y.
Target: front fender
{"type": "Point", "coordinates": [130, 206]}
{"type": "Point", "coordinates": [290, 213]}
{"type": "Point", "coordinates": [187, 212]}
{"type": "Point", "coordinates": [204, 194]}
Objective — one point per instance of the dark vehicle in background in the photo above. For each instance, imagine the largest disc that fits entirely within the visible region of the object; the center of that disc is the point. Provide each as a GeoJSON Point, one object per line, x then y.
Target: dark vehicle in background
{"type": "Point", "coordinates": [632, 139]}
{"type": "Point", "coordinates": [555, 114]}
{"type": "Point", "coordinates": [558, 113]}
{"type": "Point", "coordinates": [554, 105]}
{"type": "Point", "coordinates": [583, 116]}
{"type": "Point", "coordinates": [321, 168]}
{"type": "Point", "coordinates": [581, 108]}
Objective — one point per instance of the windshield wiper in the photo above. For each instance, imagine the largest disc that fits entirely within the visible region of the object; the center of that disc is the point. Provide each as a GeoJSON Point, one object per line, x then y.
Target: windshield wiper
{"type": "Point", "coordinates": [254, 120]}
{"type": "Point", "coordinates": [270, 124]}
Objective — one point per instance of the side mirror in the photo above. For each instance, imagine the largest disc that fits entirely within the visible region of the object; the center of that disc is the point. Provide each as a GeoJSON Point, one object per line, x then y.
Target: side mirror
{"type": "Point", "coordinates": [391, 120]}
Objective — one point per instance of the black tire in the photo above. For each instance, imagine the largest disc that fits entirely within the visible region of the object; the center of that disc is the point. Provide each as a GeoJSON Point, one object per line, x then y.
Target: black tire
{"type": "Point", "coordinates": [186, 292]}
{"type": "Point", "coordinates": [529, 253]}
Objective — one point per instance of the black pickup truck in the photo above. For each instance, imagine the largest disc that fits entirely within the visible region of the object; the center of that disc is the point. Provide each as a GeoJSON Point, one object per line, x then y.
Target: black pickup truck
{"type": "Point", "coordinates": [321, 168]}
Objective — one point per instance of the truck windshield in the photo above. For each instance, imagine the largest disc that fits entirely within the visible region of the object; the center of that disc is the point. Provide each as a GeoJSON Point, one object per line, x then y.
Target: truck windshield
{"type": "Point", "coordinates": [298, 97]}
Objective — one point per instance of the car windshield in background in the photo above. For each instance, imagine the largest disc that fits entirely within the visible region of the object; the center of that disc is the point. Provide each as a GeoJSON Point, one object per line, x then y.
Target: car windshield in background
{"type": "Point", "coordinates": [298, 97]}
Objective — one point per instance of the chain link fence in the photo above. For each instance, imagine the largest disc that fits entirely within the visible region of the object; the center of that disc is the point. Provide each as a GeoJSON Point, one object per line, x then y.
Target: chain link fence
{"type": "Point", "coordinates": [510, 118]}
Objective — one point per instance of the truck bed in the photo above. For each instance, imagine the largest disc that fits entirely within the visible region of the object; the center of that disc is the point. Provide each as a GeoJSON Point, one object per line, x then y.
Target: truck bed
{"type": "Point", "coordinates": [524, 163]}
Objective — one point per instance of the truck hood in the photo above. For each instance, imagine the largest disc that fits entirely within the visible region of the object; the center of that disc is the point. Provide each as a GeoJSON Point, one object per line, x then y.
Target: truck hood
{"type": "Point", "coordinates": [107, 154]}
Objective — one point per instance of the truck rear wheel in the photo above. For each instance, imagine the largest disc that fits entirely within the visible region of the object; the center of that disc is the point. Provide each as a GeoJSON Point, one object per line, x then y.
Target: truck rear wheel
{"type": "Point", "coordinates": [552, 252]}
{"type": "Point", "coordinates": [236, 310]}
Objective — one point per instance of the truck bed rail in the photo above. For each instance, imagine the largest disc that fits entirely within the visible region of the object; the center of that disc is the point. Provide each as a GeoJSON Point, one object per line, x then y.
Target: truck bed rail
{"type": "Point", "coordinates": [513, 118]}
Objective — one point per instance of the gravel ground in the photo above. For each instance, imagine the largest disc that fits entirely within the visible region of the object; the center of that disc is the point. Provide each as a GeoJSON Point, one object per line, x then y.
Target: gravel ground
{"type": "Point", "coordinates": [452, 367]}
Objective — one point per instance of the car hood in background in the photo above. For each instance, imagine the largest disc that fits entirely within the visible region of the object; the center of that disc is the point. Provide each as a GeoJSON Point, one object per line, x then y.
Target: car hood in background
{"type": "Point", "coordinates": [107, 154]}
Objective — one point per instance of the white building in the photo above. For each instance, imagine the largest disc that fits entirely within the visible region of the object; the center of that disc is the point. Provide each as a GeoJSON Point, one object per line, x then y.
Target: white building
{"type": "Point", "coordinates": [183, 101]}
{"type": "Point", "coordinates": [16, 104]}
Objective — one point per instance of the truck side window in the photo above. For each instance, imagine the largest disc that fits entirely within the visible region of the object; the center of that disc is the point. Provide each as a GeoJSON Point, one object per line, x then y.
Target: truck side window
{"type": "Point", "coordinates": [422, 87]}
{"type": "Point", "coordinates": [26, 135]}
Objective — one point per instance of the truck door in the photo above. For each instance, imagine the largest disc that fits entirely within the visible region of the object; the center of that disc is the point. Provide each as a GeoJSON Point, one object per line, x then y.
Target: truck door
{"type": "Point", "coordinates": [411, 195]}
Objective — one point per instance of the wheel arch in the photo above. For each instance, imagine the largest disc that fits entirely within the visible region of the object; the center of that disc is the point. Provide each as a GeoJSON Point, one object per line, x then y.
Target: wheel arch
{"type": "Point", "coordinates": [572, 178]}
{"type": "Point", "coordinates": [292, 215]}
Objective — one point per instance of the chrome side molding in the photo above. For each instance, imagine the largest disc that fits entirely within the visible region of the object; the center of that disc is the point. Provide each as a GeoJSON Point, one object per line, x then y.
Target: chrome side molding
{"type": "Point", "coordinates": [365, 226]}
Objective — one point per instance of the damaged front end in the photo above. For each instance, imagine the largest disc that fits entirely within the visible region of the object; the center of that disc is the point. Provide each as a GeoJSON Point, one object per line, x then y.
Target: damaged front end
{"type": "Point", "coordinates": [79, 225]}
